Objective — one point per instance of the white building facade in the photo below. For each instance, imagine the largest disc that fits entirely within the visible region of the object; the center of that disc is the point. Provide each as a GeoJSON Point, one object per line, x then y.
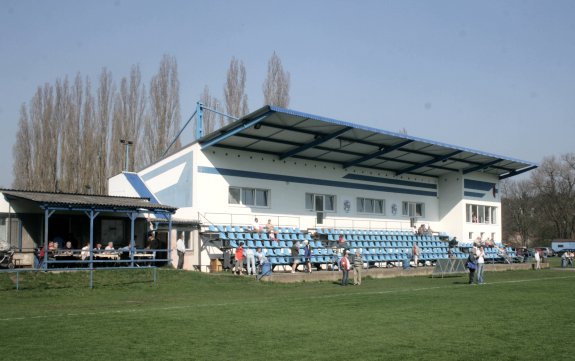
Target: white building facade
{"type": "Point", "coordinates": [309, 172]}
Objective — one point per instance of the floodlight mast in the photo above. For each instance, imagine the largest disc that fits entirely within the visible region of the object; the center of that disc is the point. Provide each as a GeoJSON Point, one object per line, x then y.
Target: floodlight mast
{"type": "Point", "coordinates": [127, 144]}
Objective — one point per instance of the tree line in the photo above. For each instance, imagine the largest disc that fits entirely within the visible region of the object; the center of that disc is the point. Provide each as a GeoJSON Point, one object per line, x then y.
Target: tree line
{"type": "Point", "coordinates": [541, 207]}
{"type": "Point", "coordinates": [71, 134]}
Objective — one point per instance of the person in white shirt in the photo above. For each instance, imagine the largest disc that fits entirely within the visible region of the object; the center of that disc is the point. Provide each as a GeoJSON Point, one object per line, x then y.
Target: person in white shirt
{"type": "Point", "coordinates": [250, 261]}
{"type": "Point", "coordinates": [480, 256]}
{"type": "Point", "coordinates": [537, 260]}
{"type": "Point", "coordinates": [181, 248]}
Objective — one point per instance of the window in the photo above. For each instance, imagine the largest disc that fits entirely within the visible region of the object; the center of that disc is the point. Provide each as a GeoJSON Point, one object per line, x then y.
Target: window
{"type": "Point", "coordinates": [475, 213]}
{"type": "Point", "coordinates": [320, 202]}
{"type": "Point", "coordinates": [249, 196]}
{"type": "Point", "coordinates": [413, 209]}
{"type": "Point", "coordinates": [367, 205]}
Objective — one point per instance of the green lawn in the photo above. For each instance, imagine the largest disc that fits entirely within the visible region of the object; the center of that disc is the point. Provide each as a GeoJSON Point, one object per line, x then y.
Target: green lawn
{"type": "Point", "coordinates": [520, 315]}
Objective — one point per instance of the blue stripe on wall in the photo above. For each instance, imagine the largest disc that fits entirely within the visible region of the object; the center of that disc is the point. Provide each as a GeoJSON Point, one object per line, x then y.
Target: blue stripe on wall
{"type": "Point", "coordinates": [304, 180]}
{"type": "Point", "coordinates": [477, 185]}
{"type": "Point", "coordinates": [473, 194]}
{"type": "Point", "coordinates": [391, 181]}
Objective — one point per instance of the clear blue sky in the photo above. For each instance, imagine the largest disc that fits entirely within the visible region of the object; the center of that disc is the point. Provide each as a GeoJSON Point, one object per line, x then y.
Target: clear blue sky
{"type": "Point", "coordinates": [497, 76]}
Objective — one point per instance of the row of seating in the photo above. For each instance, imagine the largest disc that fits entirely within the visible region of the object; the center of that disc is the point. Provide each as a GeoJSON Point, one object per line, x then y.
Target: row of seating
{"type": "Point", "coordinates": [364, 232]}
{"type": "Point", "coordinates": [243, 229]}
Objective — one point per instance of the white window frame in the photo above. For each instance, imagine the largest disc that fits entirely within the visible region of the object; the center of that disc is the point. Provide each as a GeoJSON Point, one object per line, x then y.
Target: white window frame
{"type": "Point", "coordinates": [409, 209]}
{"type": "Point", "coordinates": [312, 198]}
{"type": "Point", "coordinates": [254, 200]}
{"type": "Point", "coordinates": [368, 206]}
{"type": "Point", "coordinates": [483, 214]}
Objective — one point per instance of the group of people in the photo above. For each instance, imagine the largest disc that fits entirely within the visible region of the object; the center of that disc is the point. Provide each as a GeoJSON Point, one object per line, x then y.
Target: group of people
{"type": "Point", "coordinates": [252, 267]}
{"type": "Point", "coordinates": [268, 228]}
{"type": "Point", "coordinates": [346, 265]}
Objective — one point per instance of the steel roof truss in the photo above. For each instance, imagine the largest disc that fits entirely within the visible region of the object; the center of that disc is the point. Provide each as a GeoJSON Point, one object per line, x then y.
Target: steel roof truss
{"type": "Point", "coordinates": [320, 140]}
{"type": "Point", "coordinates": [429, 162]}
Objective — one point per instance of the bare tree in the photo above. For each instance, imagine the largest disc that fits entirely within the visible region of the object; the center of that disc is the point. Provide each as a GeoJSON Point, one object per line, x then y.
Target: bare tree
{"type": "Point", "coordinates": [519, 211]}
{"type": "Point", "coordinates": [163, 122]}
{"type": "Point", "coordinates": [68, 111]}
{"type": "Point", "coordinates": [277, 84]}
{"type": "Point", "coordinates": [22, 150]}
{"type": "Point", "coordinates": [555, 184]}
{"type": "Point", "coordinates": [103, 114]}
{"type": "Point", "coordinates": [128, 113]}
{"type": "Point", "coordinates": [45, 135]}
{"type": "Point", "coordinates": [234, 89]}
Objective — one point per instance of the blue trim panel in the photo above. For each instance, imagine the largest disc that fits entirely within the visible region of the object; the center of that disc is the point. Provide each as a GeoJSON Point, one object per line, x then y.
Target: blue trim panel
{"type": "Point", "coordinates": [477, 185]}
{"type": "Point", "coordinates": [473, 194]}
{"type": "Point", "coordinates": [390, 181]}
{"type": "Point", "coordinates": [140, 187]}
{"type": "Point", "coordinates": [304, 180]}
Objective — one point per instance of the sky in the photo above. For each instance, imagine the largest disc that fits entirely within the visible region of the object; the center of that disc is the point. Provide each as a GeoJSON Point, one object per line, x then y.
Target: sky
{"type": "Point", "coordinates": [496, 76]}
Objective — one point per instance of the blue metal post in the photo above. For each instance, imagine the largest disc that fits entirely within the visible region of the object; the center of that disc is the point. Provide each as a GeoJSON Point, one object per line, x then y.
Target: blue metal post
{"type": "Point", "coordinates": [132, 217]}
{"type": "Point", "coordinates": [199, 120]}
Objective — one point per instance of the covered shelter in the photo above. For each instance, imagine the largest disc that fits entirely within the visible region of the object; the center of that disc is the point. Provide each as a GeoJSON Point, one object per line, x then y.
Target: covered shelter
{"type": "Point", "coordinates": [34, 218]}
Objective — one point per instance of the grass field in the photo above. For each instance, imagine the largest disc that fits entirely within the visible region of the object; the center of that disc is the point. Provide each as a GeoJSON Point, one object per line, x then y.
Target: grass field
{"type": "Point", "coordinates": [519, 315]}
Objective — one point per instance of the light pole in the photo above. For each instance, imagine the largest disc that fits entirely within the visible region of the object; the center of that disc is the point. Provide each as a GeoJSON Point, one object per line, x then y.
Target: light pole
{"type": "Point", "coordinates": [126, 143]}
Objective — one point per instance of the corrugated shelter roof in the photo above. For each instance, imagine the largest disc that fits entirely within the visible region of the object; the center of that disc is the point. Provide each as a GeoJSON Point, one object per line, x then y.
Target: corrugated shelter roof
{"type": "Point", "coordinates": [290, 134]}
{"type": "Point", "coordinates": [71, 200]}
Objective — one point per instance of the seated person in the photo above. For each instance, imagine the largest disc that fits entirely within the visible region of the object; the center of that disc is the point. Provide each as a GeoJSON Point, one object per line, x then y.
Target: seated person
{"type": "Point", "coordinates": [110, 247]}
{"type": "Point", "coordinates": [68, 250]}
{"type": "Point", "coordinates": [256, 227]}
{"type": "Point", "coordinates": [98, 248]}
{"type": "Point", "coordinates": [85, 253]}
{"type": "Point", "coordinates": [270, 229]}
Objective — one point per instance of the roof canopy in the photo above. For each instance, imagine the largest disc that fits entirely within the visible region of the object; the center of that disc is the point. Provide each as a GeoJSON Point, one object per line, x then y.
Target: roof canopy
{"type": "Point", "coordinates": [70, 201]}
{"type": "Point", "coordinates": [287, 133]}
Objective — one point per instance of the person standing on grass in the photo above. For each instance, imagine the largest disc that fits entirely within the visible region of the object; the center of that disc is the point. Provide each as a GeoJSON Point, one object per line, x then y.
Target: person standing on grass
{"type": "Point", "coordinates": [294, 256]}
{"type": "Point", "coordinates": [480, 256]}
{"type": "Point", "coordinates": [307, 255]}
{"type": "Point", "coordinates": [357, 267]}
{"type": "Point", "coordinates": [240, 258]}
{"type": "Point", "coordinates": [345, 266]}
{"type": "Point", "coordinates": [250, 261]}
{"type": "Point", "coordinates": [471, 265]}
{"type": "Point", "coordinates": [181, 249]}
{"type": "Point", "coordinates": [415, 252]}
{"type": "Point", "coordinates": [537, 257]}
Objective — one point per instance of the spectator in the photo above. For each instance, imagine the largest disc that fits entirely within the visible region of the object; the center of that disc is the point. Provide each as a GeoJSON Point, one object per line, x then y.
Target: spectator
{"type": "Point", "coordinates": [294, 256]}
{"type": "Point", "coordinates": [537, 257]}
{"type": "Point", "coordinates": [181, 249]}
{"type": "Point", "coordinates": [260, 258]}
{"type": "Point", "coordinates": [415, 252]}
{"type": "Point", "coordinates": [471, 265]}
{"type": "Point", "coordinates": [256, 227]}
{"type": "Point", "coordinates": [345, 267]}
{"type": "Point", "coordinates": [357, 267]}
{"type": "Point", "coordinates": [480, 256]}
{"type": "Point", "coordinates": [250, 261]}
{"type": "Point", "coordinates": [85, 252]}
{"type": "Point", "coordinates": [239, 259]}
{"type": "Point", "coordinates": [98, 248]}
{"type": "Point", "coordinates": [307, 255]}
{"type": "Point", "coordinates": [270, 230]}
{"type": "Point", "coordinates": [110, 247]}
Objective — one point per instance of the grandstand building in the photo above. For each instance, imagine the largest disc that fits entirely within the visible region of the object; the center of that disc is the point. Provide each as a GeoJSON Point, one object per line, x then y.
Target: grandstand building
{"type": "Point", "coordinates": [318, 175]}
